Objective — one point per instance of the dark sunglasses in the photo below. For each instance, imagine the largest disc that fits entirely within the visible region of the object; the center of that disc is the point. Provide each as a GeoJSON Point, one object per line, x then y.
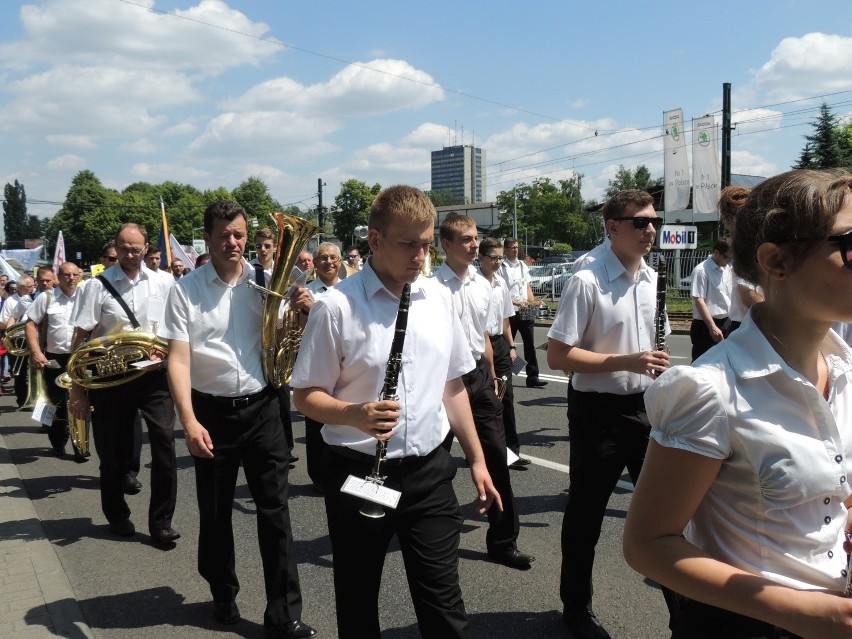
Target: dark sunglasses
{"type": "Point", "coordinates": [844, 243]}
{"type": "Point", "coordinates": [111, 258]}
{"type": "Point", "coordinates": [640, 222]}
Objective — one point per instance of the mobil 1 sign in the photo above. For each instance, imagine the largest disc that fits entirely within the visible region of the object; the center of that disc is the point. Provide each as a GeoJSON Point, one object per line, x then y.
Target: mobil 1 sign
{"type": "Point", "coordinates": [673, 236]}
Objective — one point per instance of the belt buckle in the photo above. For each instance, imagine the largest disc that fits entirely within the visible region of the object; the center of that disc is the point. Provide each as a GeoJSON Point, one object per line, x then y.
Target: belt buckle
{"type": "Point", "coordinates": [240, 402]}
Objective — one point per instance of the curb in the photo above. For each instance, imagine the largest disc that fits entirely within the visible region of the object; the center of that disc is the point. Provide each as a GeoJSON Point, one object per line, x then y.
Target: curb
{"type": "Point", "coordinates": [35, 592]}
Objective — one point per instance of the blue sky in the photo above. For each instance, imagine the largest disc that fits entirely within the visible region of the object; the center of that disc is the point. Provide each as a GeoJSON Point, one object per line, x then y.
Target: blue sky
{"type": "Point", "coordinates": [210, 92]}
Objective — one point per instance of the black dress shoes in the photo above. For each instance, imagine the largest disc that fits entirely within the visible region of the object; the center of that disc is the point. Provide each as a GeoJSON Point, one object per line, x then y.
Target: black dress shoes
{"type": "Point", "coordinates": [536, 383]}
{"type": "Point", "coordinates": [584, 625]}
{"type": "Point", "coordinates": [520, 464]}
{"type": "Point", "coordinates": [297, 629]}
{"type": "Point", "coordinates": [513, 558]}
{"type": "Point", "coordinates": [164, 536]}
{"type": "Point", "coordinates": [226, 612]}
{"type": "Point", "coordinates": [130, 485]}
{"type": "Point", "coordinates": [123, 528]}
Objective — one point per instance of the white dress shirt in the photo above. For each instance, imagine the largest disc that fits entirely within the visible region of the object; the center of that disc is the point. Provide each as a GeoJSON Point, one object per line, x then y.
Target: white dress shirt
{"type": "Point", "coordinates": [501, 306]}
{"type": "Point", "coordinates": [517, 278]}
{"type": "Point", "coordinates": [222, 322]}
{"type": "Point", "coordinates": [712, 283]}
{"type": "Point", "coordinates": [472, 301]}
{"type": "Point", "coordinates": [345, 350]}
{"type": "Point", "coordinates": [15, 307]}
{"type": "Point", "coordinates": [96, 309]}
{"type": "Point", "coordinates": [591, 256]}
{"type": "Point", "coordinates": [318, 290]}
{"type": "Point", "coordinates": [60, 330]}
{"type": "Point", "coordinates": [776, 507]}
{"type": "Point", "coordinates": [604, 310]}
{"type": "Point", "coordinates": [737, 311]}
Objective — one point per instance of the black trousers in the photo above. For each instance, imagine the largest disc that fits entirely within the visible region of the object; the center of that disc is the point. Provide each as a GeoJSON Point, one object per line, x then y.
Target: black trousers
{"type": "Point", "coordinates": [503, 368]}
{"type": "Point", "coordinates": [314, 450]}
{"type": "Point", "coordinates": [253, 437]}
{"type": "Point", "coordinates": [112, 425]}
{"type": "Point", "coordinates": [503, 527]}
{"type": "Point", "coordinates": [284, 412]}
{"type": "Point", "coordinates": [427, 522]}
{"type": "Point", "coordinates": [700, 336]}
{"type": "Point", "coordinates": [608, 433]}
{"type": "Point", "coordinates": [21, 382]}
{"type": "Point", "coordinates": [526, 329]}
{"type": "Point", "coordinates": [696, 620]}
{"type": "Point", "coordinates": [58, 431]}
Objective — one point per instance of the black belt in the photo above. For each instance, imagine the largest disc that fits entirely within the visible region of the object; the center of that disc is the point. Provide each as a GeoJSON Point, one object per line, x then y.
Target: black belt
{"type": "Point", "coordinates": [243, 401]}
{"type": "Point", "coordinates": [350, 453]}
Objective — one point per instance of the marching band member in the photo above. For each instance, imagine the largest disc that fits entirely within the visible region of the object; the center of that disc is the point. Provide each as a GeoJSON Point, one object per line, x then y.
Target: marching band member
{"type": "Point", "coordinates": [53, 311]}
{"type": "Point", "coordinates": [230, 417]}
{"type": "Point", "coordinates": [604, 332]}
{"type": "Point", "coordinates": [125, 296]}
{"type": "Point", "coordinates": [744, 498]}
{"type": "Point", "coordinates": [13, 311]}
{"type": "Point", "coordinates": [338, 376]}
{"type": "Point", "coordinates": [471, 295]}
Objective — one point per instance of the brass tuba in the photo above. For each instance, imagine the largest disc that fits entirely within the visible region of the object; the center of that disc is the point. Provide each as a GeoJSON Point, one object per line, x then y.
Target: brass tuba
{"type": "Point", "coordinates": [106, 361]}
{"type": "Point", "coordinates": [78, 428]}
{"type": "Point", "coordinates": [15, 341]}
{"type": "Point", "coordinates": [279, 350]}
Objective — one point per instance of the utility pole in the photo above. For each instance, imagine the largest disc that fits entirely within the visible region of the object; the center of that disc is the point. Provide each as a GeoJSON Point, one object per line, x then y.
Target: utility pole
{"type": "Point", "coordinates": [515, 218]}
{"type": "Point", "coordinates": [726, 134]}
{"type": "Point", "coordinates": [320, 210]}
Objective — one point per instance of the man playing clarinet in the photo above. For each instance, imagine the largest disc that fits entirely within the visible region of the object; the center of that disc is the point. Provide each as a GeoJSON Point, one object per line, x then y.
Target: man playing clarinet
{"type": "Point", "coordinates": [337, 381]}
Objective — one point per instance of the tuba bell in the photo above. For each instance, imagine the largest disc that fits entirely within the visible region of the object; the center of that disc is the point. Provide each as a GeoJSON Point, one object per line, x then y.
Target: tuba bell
{"type": "Point", "coordinates": [280, 347]}
{"type": "Point", "coordinates": [15, 341]}
{"type": "Point", "coordinates": [78, 428]}
{"type": "Point", "coordinates": [107, 361]}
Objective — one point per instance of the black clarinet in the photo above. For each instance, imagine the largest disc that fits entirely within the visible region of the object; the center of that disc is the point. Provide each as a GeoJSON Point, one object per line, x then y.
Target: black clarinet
{"type": "Point", "coordinates": [372, 509]}
{"type": "Point", "coordinates": [660, 315]}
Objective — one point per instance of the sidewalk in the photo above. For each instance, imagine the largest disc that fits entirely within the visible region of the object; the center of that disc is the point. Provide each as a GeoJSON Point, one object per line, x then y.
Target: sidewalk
{"type": "Point", "coordinates": [36, 599]}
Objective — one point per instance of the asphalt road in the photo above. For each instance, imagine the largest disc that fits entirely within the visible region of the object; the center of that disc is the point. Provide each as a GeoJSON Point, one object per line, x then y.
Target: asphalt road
{"type": "Point", "coordinates": [129, 589]}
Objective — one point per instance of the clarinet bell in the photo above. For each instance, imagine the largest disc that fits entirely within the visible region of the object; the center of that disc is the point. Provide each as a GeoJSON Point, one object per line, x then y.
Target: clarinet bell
{"type": "Point", "coordinates": [372, 510]}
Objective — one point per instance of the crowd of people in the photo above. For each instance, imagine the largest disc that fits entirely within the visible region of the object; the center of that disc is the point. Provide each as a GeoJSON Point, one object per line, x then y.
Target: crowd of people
{"type": "Point", "coordinates": [739, 460]}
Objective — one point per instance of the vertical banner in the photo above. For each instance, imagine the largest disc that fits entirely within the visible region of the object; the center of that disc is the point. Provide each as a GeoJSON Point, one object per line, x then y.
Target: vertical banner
{"type": "Point", "coordinates": [177, 253]}
{"type": "Point", "coordinates": [162, 243]}
{"type": "Point", "coordinates": [706, 172]}
{"type": "Point", "coordinates": [675, 163]}
{"type": "Point", "coordinates": [59, 254]}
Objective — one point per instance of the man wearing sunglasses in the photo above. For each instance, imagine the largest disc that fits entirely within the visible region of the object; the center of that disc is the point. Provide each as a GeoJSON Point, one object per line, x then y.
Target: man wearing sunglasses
{"type": "Point", "coordinates": [604, 332]}
{"type": "Point", "coordinates": [712, 285]}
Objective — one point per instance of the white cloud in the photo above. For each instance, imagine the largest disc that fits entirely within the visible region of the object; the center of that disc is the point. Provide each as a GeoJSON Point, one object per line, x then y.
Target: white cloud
{"type": "Point", "coordinates": [76, 141]}
{"type": "Point", "coordinates": [800, 67]}
{"type": "Point", "coordinates": [579, 104]}
{"type": "Point", "coordinates": [182, 128]}
{"type": "Point", "coordinates": [747, 163]}
{"type": "Point", "coordinates": [67, 162]}
{"type": "Point", "coordinates": [361, 89]}
{"type": "Point", "coordinates": [86, 32]}
{"type": "Point", "coordinates": [168, 171]}
{"type": "Point", "coordinates": [141, 146]}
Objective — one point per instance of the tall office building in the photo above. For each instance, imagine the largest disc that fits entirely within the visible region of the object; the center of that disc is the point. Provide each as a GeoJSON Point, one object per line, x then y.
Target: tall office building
{"type": "Point", "coordinates": [461, 171]}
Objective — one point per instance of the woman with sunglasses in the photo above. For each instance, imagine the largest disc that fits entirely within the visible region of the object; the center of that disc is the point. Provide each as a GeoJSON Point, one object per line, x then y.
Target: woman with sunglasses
{"type": "Point", "coordinates": [761, 426]}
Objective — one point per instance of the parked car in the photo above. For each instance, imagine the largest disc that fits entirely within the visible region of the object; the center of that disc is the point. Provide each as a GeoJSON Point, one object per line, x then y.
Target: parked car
{"type": "Point", "coordinates": [548, 279]}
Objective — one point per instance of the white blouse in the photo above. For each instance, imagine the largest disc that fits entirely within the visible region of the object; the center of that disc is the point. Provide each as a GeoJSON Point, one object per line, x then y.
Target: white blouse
{"type": "Point", "coordinates": [776, 507]}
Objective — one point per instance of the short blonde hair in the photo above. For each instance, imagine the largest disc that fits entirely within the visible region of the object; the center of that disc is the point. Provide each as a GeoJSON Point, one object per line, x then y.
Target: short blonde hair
{"type": "Point", "coordinates": [400, 203]}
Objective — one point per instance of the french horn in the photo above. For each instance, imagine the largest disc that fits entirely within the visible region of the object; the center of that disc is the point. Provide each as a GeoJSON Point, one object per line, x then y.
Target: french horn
{"type": "Point", "coordinates": [105, 362]}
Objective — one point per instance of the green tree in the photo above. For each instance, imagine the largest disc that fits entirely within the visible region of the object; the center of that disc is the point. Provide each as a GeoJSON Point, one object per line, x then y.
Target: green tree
{"type": "Point", "coordinates": [253, 195]}
{"type": "Point", "coordinates": [444, 198]}
{"type": "Point", "coordinates": [15, 218]}
{"type": "Point", "coordinates": [352, 207]}
{"type": "Point", "coordinates": [640, 178]}
{"type": "Point", "coordinates": [825, 145]}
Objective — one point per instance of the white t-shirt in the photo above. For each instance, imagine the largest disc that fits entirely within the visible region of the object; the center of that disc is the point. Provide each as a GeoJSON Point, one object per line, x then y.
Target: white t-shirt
{"type": "Point", "coordinates": [776, 507]}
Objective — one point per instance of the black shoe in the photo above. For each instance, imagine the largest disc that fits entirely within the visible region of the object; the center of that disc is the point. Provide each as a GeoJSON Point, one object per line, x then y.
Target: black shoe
{"type": "Point", "coordinates": [59, 450]}
{"type": "Point", "coordinates": [123, 528]}
{"type": "Point", "coordinates": [520, 464]}
{"type": "Point", "coordinates": [226, 612]}
{"type": "Point", "coordinates": [292, 459]}
{"type": "Point", "coordinates": [536, 383]}
{"type": "Point", "coordinates": [164, 536]}
{"type": "Point", "coordinates": [294, 630]}
{"type": "Point", "coordinates": [130, 485]}
{"type": "Point", "coordinates": [80, 459]}
{"type": "Point", "coordinates": [584, 625]}
{"type": "Point", "coordinates": [513, 558]}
